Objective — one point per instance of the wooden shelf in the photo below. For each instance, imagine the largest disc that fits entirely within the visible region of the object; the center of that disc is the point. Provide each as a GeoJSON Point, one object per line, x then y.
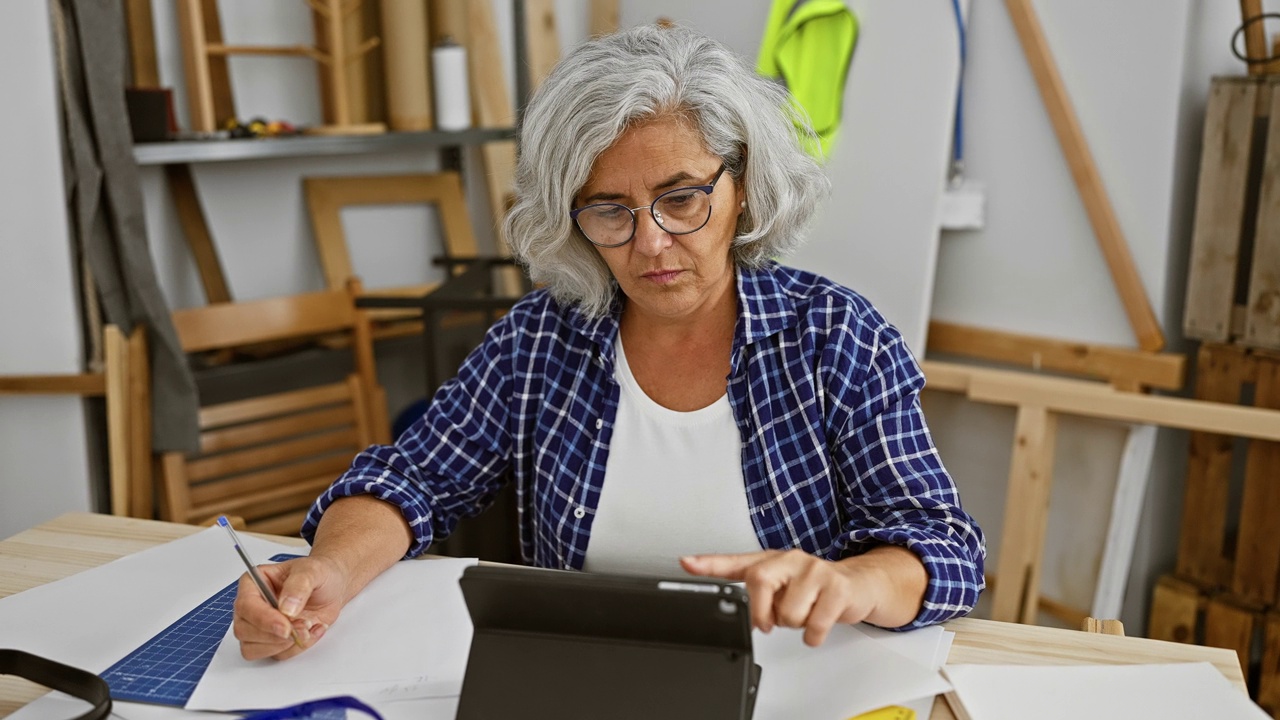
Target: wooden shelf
{"type": "Point", "coordinates": [200, 151]}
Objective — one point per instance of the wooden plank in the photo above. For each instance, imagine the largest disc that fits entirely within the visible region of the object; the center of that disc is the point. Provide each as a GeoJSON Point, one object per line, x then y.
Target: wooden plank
{"type": "Point", "coordinates": [245, 323]}
{"type": "Point", "coordinates": [1122, 528]}
{"type": "Point", "coordinates": [242, 461]}
{"type": "Point", "coordinates": [268, 501]}
{"type": "Point", "coordinates": [81, 384]}
{"type": "Point", "coordinates": [1174, 607]}
{"type": "Point", "coordinates": [1229, 625]}
{"type": "Point", "coordinates": [1105, 627]}
{"type": "Point", "coordinates": [1255, 36]}
{"type": "Point", "coordinates": [1106, 227]}
{"type": "Point", "coordinates": [224, 106]}
{"type": "Point", "coordinates": [492, 106]}
{"type": "Point", "coordinates": [141, 480]}
{"type": "Point", "coordinates": [1220, 204]}
{"type": "Point", "coordinates": [1201, 557]}
{"type": "Point", "coordinates": [195, 228]}
{"type": "Point", "coordinates": [1262, 324]}
{"type": "Point", "coordinates": [117, 392]}
{"type": "Point", "coordinates": [192, 33]}
{"type": "Point", "coordinates": [240, 411]}
{"type": "Point", "coordinates": [604, 17]}
{"type": "Point", "coordinates": [1257, 560]}
{"type": "Point", "coordinates": [1025, 515]}
{"type": "Point", "coordinates": [142, 44]}
{"type": "Point", "coordinates": [1269, 675]}
{"type": "Point", "coordinates": [276, 428]}
{"type": "Point", "coordinates": [209, 494]}
{"type": "Point", "coordinates": [542, 40]}
{"type": "Point", "coordinates": [1164, 370]}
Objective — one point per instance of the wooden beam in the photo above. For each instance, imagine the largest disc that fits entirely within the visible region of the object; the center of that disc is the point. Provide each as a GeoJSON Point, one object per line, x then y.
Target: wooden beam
{"type": "Point", "coordinates": [89, 384]}
{"type": "Point", "coordinates": [541, 39]}
{"type": "Point", "coordinates": [1106, 227]}
{"type": "Point", "coordinates": [604, 17]}
{"type": "Point", "coordinates": [196, 229]}
{"type": "Point", "coordinates": [1255, 36]}
{"type": "Point", "coordinates": [1083, 398]}
{"type": "Point", "coordinates": [1262, 325]}
{"type": "Point", "coordinates": [1114, 364]}
{"type": "Point", "coordinates": [142, 44]}
{"type": "Point", "coordinates": [117, 392]}
{"type": "Point", "coordinates": [192, 33]}
{"type": "Point", "coordinates": [1026, 514]}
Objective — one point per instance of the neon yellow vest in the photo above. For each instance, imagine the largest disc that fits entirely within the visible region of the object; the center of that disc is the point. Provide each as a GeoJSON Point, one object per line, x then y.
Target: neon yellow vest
{"type": "Point", "coordinates": [808, 44]}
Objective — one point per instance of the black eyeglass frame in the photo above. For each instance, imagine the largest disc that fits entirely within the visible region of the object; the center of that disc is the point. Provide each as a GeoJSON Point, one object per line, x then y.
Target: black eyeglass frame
{"type": "Point", "coordinates": [708, 189]}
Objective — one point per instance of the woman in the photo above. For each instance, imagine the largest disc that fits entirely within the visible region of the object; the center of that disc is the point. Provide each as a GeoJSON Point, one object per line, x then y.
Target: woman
{"type": "Point", "coordinates": [672, 393]}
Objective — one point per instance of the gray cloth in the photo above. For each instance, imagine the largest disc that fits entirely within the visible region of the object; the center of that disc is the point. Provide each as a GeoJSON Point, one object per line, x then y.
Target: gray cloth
{"type": "Point", "coordinates": [105, 205]}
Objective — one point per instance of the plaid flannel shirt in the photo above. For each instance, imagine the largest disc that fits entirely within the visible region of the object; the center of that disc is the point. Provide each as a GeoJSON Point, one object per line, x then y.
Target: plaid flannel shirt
{"type": "Point", "coordinates": [835, 452]}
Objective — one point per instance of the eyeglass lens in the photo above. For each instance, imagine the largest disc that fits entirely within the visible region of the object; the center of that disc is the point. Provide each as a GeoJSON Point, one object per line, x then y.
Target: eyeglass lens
{"type": "Point", "coordinates": [680, 211]}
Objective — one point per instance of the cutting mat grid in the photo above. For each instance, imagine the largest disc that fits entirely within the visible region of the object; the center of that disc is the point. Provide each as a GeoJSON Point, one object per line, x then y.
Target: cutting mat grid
{"type": "Point", "coordinates": [166, 669]}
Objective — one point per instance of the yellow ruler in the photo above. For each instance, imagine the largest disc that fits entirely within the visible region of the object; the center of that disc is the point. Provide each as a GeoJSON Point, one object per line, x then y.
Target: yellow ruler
{"type": "Point", "coordinates": [893, 712]}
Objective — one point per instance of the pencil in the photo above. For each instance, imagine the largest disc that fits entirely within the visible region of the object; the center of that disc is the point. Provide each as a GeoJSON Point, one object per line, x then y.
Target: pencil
{"type": "Point", "coordinates": [254, 575]}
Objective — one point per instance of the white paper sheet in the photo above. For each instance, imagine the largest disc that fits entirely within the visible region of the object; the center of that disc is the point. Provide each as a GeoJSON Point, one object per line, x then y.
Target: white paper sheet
{"type": "Point", "coordinates": [94, 618]}
{"type": "Point", "coordinates": [1185, 691]}
{"type": "Point", "coordinates": [929, 646]}
{"type": "Point", "coordinates": [405, 636]}
{"type": "Point", "coordinates": [849, 674]}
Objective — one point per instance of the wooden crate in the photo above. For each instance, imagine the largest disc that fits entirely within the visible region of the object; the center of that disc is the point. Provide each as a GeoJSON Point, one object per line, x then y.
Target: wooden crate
{"type": "Point", "coordinates": [1184, 612]}
{"type": "Point", "coordinates": [1245, 559]}
{"type": "Point", "coordinates": [1233, 283]}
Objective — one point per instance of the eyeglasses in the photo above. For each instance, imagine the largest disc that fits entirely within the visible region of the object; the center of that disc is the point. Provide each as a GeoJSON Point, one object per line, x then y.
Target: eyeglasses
{"type": "Point", "coordinates": [679, 212]}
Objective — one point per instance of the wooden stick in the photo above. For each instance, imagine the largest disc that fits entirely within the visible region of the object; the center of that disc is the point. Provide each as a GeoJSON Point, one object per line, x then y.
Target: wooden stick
{"type": "Point", "coordinates": [1115, 364]}
{"type": "Point", "coordinates": [117, 392]}
{"type": "Point", "coordinates": [338, 66]}
{"type": "Point", "coordinates": [142, 43]}
{"type": "Point", "coordinates": [141, 490]}
{"type": "Point", "coordinates": [1026, 515]}
{"type": "Point", "coordinates": [604, 17]}
{"type": "Point", "coordinates": [1255, 36]}
{"type": "Point", "coordinates": [224, 106]}
{"type": "Point", "coordinates": [196, 61]}
{"type": "Point", "coordinates": [89, 384]}
{"type": "Point", "coordinates": [196, 229]}
{"type": "Point", "coordinates": [543, 40]}
{"type": "Point", "coordinates": [1075, 147]}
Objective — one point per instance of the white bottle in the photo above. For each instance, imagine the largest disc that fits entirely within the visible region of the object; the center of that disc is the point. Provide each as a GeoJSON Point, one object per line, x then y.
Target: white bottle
{"type": "Point", "coordinates": [452, 95]}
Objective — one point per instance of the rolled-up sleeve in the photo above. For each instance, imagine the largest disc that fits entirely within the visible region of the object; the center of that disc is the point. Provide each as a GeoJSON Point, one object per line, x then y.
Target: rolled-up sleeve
{"type": "Point", "coordinates": [448, 465]}
{"type": "Point", "coordinates": [896, 490]}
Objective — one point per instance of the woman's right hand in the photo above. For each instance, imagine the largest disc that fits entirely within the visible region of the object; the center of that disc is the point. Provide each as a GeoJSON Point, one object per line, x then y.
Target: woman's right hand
{"type": "Point", "coordinates": [311, 591]}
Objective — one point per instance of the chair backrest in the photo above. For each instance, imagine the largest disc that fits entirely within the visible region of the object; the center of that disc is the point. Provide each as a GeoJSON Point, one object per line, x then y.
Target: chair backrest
{"type": "Point", "coordinates": [266, 458]}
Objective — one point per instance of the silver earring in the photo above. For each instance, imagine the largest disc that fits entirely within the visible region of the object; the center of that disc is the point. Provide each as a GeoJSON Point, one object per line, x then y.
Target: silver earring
{"type": "Point", "coordinates": [743, 204]}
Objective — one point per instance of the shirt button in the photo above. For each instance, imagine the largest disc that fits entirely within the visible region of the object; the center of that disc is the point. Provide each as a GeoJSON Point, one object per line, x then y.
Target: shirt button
{"type": "Point", "coordinates": [599, 423]}
{"type": "Point", "coordinates": [579, 512]}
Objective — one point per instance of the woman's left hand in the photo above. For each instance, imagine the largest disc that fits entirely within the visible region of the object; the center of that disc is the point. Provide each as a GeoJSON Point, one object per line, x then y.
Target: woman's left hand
{"type": "Point", "coordinates": [884, 586]}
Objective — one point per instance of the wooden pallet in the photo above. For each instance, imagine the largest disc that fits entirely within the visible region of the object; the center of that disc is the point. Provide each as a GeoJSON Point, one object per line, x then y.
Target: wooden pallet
{"type": "Point", "coordinates": [1233, 285]}
{"type": "Point", "coordinates": [1250, 566]}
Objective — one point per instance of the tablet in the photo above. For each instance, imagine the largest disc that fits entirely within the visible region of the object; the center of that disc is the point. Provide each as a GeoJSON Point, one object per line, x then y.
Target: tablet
{"type": "Point", "coordinates": [569, 645]}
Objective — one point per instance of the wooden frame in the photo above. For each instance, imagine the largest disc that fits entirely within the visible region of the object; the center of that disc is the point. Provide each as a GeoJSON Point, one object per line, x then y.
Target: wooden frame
{"type": "Point", "coordinates": [1106, 227]}
{"type": "Point", "coordinates": [1122, 367]}
{"type": "Point", "coordinates": [125, 384]}
{"type": "Point", "coordinates": [1038, 400]}
{"type": "Point", "coordinates": [327, 196]}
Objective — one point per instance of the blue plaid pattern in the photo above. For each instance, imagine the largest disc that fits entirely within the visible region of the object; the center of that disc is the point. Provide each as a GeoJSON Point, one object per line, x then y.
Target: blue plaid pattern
{"type": "Point", "coordinates": [835, 451]}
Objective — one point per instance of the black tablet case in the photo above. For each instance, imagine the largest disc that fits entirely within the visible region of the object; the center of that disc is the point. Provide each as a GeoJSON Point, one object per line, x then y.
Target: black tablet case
{"type": "Point", "coordinates": [571, 646]}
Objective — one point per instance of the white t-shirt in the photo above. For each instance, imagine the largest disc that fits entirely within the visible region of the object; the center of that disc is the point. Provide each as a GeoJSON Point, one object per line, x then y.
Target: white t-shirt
{"type": "Point", "coordinates": [672, 486]}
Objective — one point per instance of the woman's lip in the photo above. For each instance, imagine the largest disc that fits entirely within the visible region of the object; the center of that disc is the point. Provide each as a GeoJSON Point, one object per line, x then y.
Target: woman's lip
{"type": "Point", "coordinates": [661, 276]}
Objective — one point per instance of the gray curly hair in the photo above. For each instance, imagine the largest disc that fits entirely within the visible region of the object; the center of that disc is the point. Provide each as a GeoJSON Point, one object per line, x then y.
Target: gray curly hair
{"type": "Point", "coordinates": [609, 84]}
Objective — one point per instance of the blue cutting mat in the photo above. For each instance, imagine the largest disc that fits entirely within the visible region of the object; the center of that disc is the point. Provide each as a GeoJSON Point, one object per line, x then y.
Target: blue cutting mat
{"type": "Point", "coordinates": [166, 668]}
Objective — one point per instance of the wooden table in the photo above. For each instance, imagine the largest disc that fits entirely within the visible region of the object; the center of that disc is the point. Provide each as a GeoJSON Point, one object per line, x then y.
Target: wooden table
{"type": "Point", "coordinates": [80, 541]}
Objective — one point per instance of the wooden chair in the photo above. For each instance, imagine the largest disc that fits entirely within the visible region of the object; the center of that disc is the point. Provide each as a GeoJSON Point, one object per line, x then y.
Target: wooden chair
{"type": "Point", "coordinates": [126, 386]}
{"type": "Point", "coordinates": [266, 458]}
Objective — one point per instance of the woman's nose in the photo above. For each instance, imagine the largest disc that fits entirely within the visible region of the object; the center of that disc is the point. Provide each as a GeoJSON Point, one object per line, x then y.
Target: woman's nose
{"type": "Point", "coordinates": [650, 238]}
